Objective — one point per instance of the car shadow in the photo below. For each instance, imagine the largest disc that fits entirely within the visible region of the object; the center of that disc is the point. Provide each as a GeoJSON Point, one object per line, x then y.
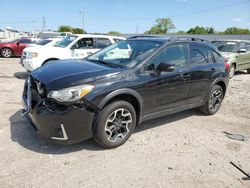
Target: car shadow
{"type": "Point", "coordinates": [21, 75]}
{"type": "Point", "coordinates": [167, 119]}
{"type": "Point", "coordinates": [25, 135]}
{"type": "Point", "coordinates": [239, 73]}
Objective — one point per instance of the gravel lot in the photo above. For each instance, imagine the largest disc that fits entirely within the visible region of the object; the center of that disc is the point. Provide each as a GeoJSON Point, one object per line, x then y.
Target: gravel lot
{"type": "Point", "coordinates": [187, 149]}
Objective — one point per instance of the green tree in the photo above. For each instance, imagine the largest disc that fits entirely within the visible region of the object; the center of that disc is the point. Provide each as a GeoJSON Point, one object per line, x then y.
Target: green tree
{"type": "Point", "coordinates": [197, 30]}
{"type": "Point", "coordinates": [181, 32]}
{"type": "Point", "coordinates": [162, 26]}
{"type": "Point", "coordinates": [235, 30]}
{"type": "Point", "coordinates": [77, 31]}
{"type": "Point", "coordinates": [64, 28]}
{"type": "Point", "coordinates": [114, 33]}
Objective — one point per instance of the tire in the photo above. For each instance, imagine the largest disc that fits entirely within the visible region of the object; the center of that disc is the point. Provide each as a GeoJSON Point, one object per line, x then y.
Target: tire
{"type": "Point", "coordinates": [214, 101]}
{"type": "Point", "coordinates": [115, 124]}
{"type": "Point", "coordinates": [232, 71]}
{"type": "Point", "coordinates": [6, 52]}
{"type": "Point", "coordinates": [248, 71]}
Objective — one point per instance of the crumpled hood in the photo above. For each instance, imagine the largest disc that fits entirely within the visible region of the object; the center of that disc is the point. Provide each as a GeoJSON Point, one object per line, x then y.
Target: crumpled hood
{"type": "Point", "coordinates": [228, 55]}
{"type": "Point", "coordinates": [66, 73]}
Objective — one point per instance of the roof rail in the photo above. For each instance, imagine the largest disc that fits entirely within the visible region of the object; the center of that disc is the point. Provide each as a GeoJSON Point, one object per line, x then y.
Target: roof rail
{"type": "Point", "coordinates": [142, 36]}
{"type": "Point", "coordinates": [188, 38]}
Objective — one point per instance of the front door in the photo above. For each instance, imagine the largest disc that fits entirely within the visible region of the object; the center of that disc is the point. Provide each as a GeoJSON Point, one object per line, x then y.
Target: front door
{"type": "Point", "coordinates": [165, 90]}
{"type": "Point", "coordinates": [243, 60]}
{"type": "Point", "coordinates": [83, 48]}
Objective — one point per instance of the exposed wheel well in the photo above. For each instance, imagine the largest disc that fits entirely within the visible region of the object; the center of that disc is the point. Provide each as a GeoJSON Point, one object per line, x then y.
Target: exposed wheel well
{"type": "Point", "coordinates": [51, 59]}
{"type": "Point", "coordinates": [223, 86]}
{"type": "Point", "coordinates": [234, 64]}
{"type": "Point", "coordinates": [131, 99]}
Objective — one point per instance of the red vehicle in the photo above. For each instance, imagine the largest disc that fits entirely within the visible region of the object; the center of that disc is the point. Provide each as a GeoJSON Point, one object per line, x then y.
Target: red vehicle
{"type": "Point", "coordinates": [14, 47]}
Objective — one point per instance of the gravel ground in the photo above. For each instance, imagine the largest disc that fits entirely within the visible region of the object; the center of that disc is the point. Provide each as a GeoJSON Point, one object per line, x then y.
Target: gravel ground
{"type": "Point", "coordinates": [187, 149]}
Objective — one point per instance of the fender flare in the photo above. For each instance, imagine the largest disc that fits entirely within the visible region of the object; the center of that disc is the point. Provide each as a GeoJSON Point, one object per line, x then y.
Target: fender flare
{"type": "Point", "coordinates": [123, 91]}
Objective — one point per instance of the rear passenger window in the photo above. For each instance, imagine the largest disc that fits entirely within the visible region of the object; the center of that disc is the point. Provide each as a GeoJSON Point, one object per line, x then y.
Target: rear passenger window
{"type": "Point", "coordinates": [197, 57]}
{"type": "Point", "coordinates": [102, 42]}
{"type": "Point", "coordinates": [217, 57]}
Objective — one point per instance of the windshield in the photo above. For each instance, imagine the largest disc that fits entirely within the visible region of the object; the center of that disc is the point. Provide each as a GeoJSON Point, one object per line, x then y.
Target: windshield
{"type": "Point", "coordinates": [224, 46]}
{"type": "Point", "coordinates": [43, 42]}
{"type": "Point", "coordinates": [65, 42]}
{"type": "Point", "coordinates": [127, 53]}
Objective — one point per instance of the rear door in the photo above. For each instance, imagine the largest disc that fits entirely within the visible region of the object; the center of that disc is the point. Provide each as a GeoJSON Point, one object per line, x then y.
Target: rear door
{"type": "Point", "coordinates": [201, 68]}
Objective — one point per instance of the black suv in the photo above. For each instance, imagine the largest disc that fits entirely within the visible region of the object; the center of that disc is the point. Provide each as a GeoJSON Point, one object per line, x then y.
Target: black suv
{"type": "Point", "coordinates": [107, 94]}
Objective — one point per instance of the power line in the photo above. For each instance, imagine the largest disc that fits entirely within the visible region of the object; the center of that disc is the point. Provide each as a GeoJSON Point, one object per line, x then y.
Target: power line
{"type": "Point", "coordinates": [173, 16]}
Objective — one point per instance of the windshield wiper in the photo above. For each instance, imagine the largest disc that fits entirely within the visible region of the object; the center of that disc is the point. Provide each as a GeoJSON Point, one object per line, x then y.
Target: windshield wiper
{"type": "Point", "coordinates": [105, 63]}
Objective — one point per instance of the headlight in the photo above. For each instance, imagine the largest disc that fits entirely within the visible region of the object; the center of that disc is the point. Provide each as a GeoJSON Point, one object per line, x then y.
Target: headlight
{"type": "Point", "coordinates": [30, 55]}
{"type": "Point", "coordinates": [71, 94]}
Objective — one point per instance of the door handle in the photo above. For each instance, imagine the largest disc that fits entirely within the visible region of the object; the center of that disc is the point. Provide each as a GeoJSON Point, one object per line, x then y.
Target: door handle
{"type": "Point", "coordinates": [185, 76]}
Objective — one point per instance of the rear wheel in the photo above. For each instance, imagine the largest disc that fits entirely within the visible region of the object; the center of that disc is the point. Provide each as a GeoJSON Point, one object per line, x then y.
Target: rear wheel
{"type": "Point", "coordinates": [232, 71]}
{"type": "Point", "coordinates": [214, 101]}
{"type": "Point", "coordinates": [115, 124]}
{"type": "Point", "coordinates": [6, 52]}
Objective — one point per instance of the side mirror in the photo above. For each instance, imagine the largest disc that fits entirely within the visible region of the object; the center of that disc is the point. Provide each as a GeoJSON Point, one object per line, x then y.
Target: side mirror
{"type": "Point", "coordinates": [242, 50]}
{"type": "Point", "coordinates": [18, 43]}
{"type": "Point", "coordinates": [165, 67]}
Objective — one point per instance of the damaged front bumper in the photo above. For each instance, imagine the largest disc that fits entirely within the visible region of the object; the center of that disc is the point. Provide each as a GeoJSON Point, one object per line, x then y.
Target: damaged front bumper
{"type": "Point", "coordinates": [60, 123]}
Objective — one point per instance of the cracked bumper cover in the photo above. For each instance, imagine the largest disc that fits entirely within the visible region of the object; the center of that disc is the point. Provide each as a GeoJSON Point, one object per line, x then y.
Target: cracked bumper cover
{"type": "Point", "coordinates": [68, 126]}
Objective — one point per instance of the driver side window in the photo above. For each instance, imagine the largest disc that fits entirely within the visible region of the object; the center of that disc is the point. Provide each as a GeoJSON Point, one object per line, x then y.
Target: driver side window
{"type": "Point", "coordinates": [175, 54]}
{"type": "Point", "coordinates": [84, 43]}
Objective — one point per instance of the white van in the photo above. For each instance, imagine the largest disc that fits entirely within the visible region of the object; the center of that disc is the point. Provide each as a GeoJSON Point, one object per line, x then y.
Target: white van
{"type": "Point", "coordinates": [70, 47]}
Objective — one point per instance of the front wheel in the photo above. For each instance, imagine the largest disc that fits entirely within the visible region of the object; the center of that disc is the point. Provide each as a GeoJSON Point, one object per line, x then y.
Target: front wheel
{"type": "Point", "coordinates": [115, 124]}
{"type": "Point", "coordinates": [214, 101]}
{"type": "Point", "coordinates": [6, 52]}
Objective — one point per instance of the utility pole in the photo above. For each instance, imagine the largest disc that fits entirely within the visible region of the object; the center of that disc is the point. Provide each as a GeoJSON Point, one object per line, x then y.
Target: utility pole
{"type": "Point", "coordinates": [44, 24]}
{"type": "Point", "coordinates": [82, 12]}
{"type": "Point", "coordinates": [136, 29]}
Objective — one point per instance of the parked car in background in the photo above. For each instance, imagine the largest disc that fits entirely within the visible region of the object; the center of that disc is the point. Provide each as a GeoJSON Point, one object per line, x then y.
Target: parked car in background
{"type": "Point", "coordinates": [45, 42]}
{"type": "Point", "coordinates": [105, 98]}
{"type": "Point", "coordinates": [73, 46]}
{"type": "Point", "coordinates": [236, 54]}
{"type": "Point", "coordinates": [14, 47]}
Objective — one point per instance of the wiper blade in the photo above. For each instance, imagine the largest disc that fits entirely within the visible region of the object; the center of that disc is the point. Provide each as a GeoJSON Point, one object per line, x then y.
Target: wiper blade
{"type": "Point", "coordinates": [106, 63]}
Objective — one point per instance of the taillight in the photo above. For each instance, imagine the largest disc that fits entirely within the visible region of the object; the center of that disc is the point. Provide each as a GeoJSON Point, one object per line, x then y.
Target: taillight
{"type": "Point", "coordinates": [227, 66]}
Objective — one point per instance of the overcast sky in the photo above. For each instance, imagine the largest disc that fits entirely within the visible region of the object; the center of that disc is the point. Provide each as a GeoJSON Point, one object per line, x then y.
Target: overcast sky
{"type": "Point", "coordinates": [125, 16]}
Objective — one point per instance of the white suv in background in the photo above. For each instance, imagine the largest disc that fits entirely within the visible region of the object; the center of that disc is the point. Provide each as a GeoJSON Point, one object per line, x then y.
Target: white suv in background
{"type": "Point", "coordinates": [70, 47]}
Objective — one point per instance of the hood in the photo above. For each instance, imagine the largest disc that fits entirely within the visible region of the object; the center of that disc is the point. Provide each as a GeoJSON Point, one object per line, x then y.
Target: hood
{"type": "Point", "coordinates": [66, 73]}
{"type": "Point", "coordinates": [44, 49]}
{"type": "Point", "coordinates": [227, 55]}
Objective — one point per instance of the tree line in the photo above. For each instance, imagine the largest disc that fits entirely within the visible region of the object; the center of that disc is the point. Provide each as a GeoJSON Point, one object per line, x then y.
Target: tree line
{"type": "Point", "coordinates": [166, 26]}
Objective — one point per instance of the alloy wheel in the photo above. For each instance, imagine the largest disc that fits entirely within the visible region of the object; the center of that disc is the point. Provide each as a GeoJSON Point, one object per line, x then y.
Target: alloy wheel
{"type": "Point", "coordinates": [6, 52]}
{"type": "Point", "coordinates": [118, 125]}
{"type": "Point", "coordinates": [215, 100]}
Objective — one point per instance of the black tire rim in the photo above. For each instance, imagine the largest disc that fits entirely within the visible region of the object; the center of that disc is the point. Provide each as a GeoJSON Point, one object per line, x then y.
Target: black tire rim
{"type": "Point", "coordinates": [215, 100]}
{"type": "Point", "coordinates": [6, 52]}
{"type": "Point", "coordinates": [118, 125]}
